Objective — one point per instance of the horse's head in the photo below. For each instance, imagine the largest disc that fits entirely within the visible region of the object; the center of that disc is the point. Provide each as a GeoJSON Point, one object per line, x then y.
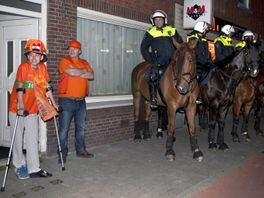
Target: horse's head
{"type": "Point", "coordinates": [245, 63]}
{"type": "Point", "coordinates": [184, 66]}
{"type": "Point", "coordinates": [252, 60]}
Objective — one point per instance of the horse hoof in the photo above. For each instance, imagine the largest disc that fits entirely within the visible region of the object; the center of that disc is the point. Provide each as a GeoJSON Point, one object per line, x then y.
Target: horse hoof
{"type": "Point", "coordinates": [198, 155]}
{"type": "Point", "coordinates": [246, 137]}
{"type": "Point", "coordinates": [146, 137]}
{"type": "Point", "coordinates": [212, 146]}
{"type": "Point", "coordinates": [137, 138]}
{"type": "Point", "coordinates": [159, 135]}
{"type": "Point", "coordinates": [170, 157]}
{"type": "Point", "coordinates": [235, 139]}
{"type": "Point", "coordinates": [224, 147]}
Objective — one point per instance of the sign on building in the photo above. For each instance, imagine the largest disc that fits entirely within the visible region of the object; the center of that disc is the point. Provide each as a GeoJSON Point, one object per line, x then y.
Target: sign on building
{"type": "Point", "coordinates": [195, 11]}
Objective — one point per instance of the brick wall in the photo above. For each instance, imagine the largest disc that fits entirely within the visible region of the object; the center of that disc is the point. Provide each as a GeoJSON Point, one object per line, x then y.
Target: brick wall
{"type": "Point", "coordinates": [251, 19]}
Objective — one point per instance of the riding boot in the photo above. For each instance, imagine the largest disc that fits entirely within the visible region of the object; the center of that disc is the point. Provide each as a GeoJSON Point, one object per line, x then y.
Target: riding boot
{"type": "Point", "coordinates": [153, 95]}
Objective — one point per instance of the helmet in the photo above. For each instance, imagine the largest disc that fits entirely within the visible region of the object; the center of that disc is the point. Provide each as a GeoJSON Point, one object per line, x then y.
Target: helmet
{"type": "Point", "coordinates": [161, 14]}
{"type": "Point", "coordinates": [228, 29]}
{"type": "Point", "coordinates": [201, 27]}
{"type": "Point", "coordinates": [248, 33]}
{"type": "Point", "coordinates": [36, 46]}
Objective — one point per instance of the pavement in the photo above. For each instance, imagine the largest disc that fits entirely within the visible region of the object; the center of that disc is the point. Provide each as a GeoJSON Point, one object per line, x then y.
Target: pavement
{"type": "Point", "coordinates": [139, 170]}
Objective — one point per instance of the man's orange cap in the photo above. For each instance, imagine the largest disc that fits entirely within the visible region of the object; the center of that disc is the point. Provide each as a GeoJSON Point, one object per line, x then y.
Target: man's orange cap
{"type": "Point", "coordinates": [75, 44]}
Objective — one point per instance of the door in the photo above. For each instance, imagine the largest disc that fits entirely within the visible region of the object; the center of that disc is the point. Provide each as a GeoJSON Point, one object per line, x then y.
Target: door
{"type": "Point", "coordinates": [13, 37]}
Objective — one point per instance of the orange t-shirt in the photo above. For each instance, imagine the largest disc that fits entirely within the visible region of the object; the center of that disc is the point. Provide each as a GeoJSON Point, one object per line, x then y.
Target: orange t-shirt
{"type": "Point", "coordinates": [76, 87]}
{"type": "Point", "coordinates": [29, 76]}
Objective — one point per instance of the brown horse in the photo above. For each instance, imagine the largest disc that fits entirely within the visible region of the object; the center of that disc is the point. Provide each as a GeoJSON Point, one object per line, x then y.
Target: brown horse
{"type": "Point", "coordinates": [245, 94]}
{"type": "Point", "coordinates": [177, 88]}
{"type": "Point", "coordinates": [249, 94]}
{"type": "Point", "coordinates": [218, 93]}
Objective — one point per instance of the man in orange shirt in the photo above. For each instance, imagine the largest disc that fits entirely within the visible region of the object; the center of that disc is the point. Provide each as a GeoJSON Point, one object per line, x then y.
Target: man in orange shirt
{"type": "Point", "coordinates": [30, 73]}
{"type": "Point", "coordinates": [73, 88]}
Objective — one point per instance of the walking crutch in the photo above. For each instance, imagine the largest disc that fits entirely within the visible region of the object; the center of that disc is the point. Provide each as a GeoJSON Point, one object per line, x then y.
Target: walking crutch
{"type": "Point", "coordinates": [10, 150]}
{"type": "Point", "coordinates": [58, 138]}
{"type": "Point", "coordinates": [59, 146]}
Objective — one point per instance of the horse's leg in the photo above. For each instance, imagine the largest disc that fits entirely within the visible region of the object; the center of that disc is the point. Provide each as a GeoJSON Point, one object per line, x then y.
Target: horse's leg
{"type": "Point", "coordinates": [190, 115]}
{"type": "Point", "coordinates": [146, 133]}
{"type": "Point", "coordinates": [203, 118]}
{"type": "Point", "coordinates": [221, 125]}
{"type": "Point", "coordinates": [236, 110]}
{"type": "Point", "coordinates": [211, 133]}
{"type": "Point", "coordinates": [258, 113]}
{"type": "Point", "coordinates": [136, 104]}
{"type": "Point", "coordinates": [170, 154]}
{"type": "Point", "coordinates": [244, 129]}
{"type": "Point", "coordinates": [159, 129]}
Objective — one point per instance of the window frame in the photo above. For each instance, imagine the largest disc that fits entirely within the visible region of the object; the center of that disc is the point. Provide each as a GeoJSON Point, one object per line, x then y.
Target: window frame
{"type": "Point", "coordinates": [99, 102]}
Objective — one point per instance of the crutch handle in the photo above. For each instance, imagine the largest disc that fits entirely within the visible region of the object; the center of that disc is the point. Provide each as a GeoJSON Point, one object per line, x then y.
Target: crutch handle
{"type": "Point", "coordinates": [25, 113]}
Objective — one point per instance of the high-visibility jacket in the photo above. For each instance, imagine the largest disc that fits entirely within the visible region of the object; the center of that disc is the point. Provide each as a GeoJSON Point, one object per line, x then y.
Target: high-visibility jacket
{"type": "Point", "coordinates": [223, 47]}
{"type": "Point", "coordinates": [160, 42]}
{"type": "Point", "coordinates": [202, 51]}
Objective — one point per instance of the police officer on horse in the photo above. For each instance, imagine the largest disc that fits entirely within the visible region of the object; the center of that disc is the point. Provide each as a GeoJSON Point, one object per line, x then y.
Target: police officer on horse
{"type": "Point", "coordinates": [223, 43]}
{"type": "Point", "coordinates": [157, 48]}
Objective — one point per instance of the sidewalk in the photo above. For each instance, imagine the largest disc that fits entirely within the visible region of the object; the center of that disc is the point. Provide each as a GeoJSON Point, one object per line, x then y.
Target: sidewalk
{"type": "Point", "coordinates": [140, 170]}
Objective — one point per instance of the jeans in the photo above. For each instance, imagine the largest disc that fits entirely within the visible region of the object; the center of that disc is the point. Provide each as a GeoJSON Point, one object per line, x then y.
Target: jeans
{"type": "Point", "coordinates": [72, 109]}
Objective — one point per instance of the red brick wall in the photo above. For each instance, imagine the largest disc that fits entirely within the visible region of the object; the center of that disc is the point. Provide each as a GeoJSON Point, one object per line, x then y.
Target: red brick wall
{"type": "Point", "coordinates": [251, 19]}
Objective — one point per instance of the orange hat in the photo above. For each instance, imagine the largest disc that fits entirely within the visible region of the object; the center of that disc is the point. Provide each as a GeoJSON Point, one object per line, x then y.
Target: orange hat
{"type": "Point", "coordinates": [36, 46]}
{"type": "Point", "coordinates": [75, 44]}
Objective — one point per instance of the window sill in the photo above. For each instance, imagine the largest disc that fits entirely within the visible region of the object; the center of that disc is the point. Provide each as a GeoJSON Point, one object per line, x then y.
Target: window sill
{"type": "Point", "coordinates": [100, 102]}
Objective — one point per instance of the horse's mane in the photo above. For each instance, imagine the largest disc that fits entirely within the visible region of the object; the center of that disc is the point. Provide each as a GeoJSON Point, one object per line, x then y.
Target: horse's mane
{"type": "Point", "coordinates": [228, 59]}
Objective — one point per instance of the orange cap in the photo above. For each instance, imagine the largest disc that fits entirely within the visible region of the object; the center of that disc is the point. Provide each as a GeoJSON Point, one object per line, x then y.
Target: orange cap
{"type": "Point", "coordinates": [75, 44]}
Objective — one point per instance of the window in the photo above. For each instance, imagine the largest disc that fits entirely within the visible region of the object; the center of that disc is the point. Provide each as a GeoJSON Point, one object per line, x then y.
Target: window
{"type": "Point", "coordinates": [112, 47]}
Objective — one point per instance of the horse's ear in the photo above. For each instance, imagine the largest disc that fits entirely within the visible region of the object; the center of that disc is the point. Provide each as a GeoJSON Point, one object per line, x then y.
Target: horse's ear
{"type": "Point", "coordinates": [175, 43]}
{"type": "Point", "coordinates": [192, 43]}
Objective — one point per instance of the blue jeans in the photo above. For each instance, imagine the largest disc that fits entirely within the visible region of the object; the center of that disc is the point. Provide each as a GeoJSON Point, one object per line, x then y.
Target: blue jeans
{"type": "Point", "coordinates": [72, 109]}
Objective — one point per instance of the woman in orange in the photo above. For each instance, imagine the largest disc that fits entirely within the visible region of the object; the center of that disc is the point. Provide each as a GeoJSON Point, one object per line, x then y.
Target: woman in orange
{"type": "Point", "coordinates": [30, 73]}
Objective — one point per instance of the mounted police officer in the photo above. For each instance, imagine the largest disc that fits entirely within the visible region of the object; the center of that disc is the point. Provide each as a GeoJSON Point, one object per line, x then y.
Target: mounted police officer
{"type": "Point", "coordinates": [248, 39]}
{"type": "Point", "coordinates": [157, 48]}
{"type": "Point", "coordinates": [223, 43]}
{"type": "Point", "coordinates": [202, 51]}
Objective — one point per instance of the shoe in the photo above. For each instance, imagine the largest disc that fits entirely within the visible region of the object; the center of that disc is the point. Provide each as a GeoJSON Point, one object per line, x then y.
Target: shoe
{"type": "Point", "coordinates": [22, 172]}
{"type": "Point", "coordinates": [41, 173]}
{"type": "Point", "coordinates": [85, 154]}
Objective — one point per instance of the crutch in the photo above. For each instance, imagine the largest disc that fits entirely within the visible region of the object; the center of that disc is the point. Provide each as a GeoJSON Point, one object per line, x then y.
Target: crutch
{"type": "Point", "coordinates": [10, 150]}
{"type": "Point", "coordinates": [58, 138]}
{"type": "Point", "coordinates": [59, 145]}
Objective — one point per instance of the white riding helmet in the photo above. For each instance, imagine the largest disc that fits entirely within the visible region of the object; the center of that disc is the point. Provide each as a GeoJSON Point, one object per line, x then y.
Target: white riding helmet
{"type": "Point", "coordinates": [159, 13]}
{"type": "Point", "coordinates": [227, 29]}
{"type": "Point", "coordinates": [201, 27]}
{"type": "Point", "coordinates": [247, 33]}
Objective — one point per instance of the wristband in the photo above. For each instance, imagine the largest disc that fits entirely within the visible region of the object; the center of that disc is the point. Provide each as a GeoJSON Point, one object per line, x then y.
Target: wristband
{"type": "Point", "coordinates": [20, 89]}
